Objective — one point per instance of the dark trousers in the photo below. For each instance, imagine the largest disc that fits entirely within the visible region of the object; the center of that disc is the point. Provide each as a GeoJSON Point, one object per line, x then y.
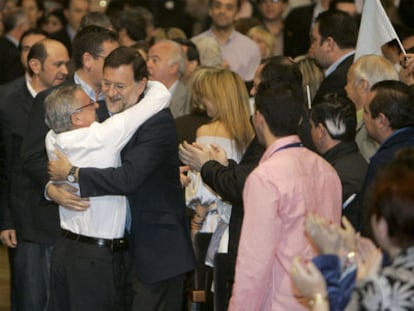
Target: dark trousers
{"type": "Point", "coordinates": [86, 277]}
{"type": "Point", "coordinates": [31, 267]}
{"type": "Point", "coordinates": [167, 295]}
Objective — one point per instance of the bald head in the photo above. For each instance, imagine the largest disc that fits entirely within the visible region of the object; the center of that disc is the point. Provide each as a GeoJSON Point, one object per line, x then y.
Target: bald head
{"type": "Point", "coordinates": [48, 60]}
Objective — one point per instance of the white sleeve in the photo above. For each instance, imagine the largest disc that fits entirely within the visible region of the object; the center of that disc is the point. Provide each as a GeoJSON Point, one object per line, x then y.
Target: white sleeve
{"type": "Point", "coordinates": [117, 130]}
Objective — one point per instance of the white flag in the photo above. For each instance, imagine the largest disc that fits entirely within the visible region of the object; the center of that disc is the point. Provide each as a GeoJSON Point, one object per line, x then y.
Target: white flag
{"type": "Point", "coordinates": [375, 30]}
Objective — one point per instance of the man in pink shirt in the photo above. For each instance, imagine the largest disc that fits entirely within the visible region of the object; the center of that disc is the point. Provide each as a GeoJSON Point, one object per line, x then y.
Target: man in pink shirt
{"type": "Point", "coordinates": [289, 182]}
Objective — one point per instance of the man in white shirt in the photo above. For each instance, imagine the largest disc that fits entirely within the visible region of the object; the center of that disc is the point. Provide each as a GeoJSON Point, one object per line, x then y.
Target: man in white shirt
{"type": "Point", "coordinates": [241, 53]}
{"type": "Point", "coordinates": [86, 272]}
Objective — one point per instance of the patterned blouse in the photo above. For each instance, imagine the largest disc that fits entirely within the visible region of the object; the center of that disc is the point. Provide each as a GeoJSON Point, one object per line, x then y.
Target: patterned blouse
{"type": "Point", "coordinates": [391, 289]}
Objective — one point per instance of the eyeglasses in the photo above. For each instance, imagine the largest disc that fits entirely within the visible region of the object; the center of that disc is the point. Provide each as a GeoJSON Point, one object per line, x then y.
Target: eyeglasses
{"type": "Point", "coordinates": [119, 87]}
{"type": "Point", "coordinates": [91, 103]}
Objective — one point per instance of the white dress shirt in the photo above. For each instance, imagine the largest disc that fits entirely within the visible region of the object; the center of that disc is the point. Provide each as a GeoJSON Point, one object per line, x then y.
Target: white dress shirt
{"type": "Point", "coordinates": [99, 145]}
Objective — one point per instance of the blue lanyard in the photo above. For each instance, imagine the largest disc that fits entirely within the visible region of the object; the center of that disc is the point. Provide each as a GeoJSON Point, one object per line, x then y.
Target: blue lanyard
{"type": "Point", "coordinates": [293, 145]}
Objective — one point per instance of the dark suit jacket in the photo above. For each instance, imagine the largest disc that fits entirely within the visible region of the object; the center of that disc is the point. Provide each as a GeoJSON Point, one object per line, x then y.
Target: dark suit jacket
{"type": "Point", "coordinates": [336, 81]}
{"type": "Point", "coordinates": [187, 126]}
{"type": "Point", "coordinates": [180, 101]}
{"type": "Point", "coordinates": [15, 105]}
{"type": "Point", "coordinates": [351, 168]}
{"type": "Point", "coordinates": [297, 31]}
{"type": "Point", "coordinates": [161, 246]}
{"type": "Point", "coordinates": [10, 66]}
{"type": "Point", "coordinates": [383, 156]}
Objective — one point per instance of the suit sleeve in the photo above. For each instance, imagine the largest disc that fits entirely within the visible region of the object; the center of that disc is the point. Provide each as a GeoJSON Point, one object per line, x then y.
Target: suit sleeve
{"type": "Point", "coordinates": [33, 150]}
{"type": "Point", "coordinates": [146, 153]}
{"type": "Point", "coordinates": [229, 181]}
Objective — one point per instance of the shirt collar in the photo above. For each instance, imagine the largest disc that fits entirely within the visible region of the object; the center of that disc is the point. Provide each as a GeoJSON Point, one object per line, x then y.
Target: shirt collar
{"type": "Point", "coordinates": [279, 143]}
{"type": "Point", "coordinates": [71, 32]}
{"type": "Point", "coordinates": [232, 35]}
{"type": "Point", "coordinates": [29, 86]}
{"type": "Point", "coordinates": [173, 87]}
{"type": "Point", "coordinates": [335, 65]}
{"type": "Point", "coordinates": [88, 90]}
{"type": "Point", "coordinates": [12, 39]}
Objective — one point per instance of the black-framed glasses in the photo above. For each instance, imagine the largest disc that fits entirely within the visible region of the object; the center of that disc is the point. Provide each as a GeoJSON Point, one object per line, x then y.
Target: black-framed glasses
{"type": "Point", "coordinates": [91, 103]}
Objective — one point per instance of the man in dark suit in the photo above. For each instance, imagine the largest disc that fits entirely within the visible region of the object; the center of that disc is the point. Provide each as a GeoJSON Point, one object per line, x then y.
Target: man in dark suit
{"type": "Point", "coordinates": [166, 64]}
{"type": "Point", "coordinates": [11, 67]}
{"type": "Point", "coordinates": [28, 230]}
{"type": "Point", "coordinates": [333, 42]}
{"type": "Point", "coordinates": [160, 243]}
{"type": "Point", "coordinates": [297, 28]}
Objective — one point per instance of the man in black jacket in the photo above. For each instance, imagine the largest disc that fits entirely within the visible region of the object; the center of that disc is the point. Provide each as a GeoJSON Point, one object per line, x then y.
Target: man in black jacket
{"type": "Point", "coordinates": [333, 41]}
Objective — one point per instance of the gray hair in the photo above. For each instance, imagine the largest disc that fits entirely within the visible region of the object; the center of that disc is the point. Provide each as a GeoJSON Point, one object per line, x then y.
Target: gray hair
{"type": "Point", "coordinates": [59, 107]}
{"type": "Point", "coordinates": [177, 55]}
{"type": "Point", "coordinates": [373, 69]}
{"type": "Point", "coordinates": [210, 51]}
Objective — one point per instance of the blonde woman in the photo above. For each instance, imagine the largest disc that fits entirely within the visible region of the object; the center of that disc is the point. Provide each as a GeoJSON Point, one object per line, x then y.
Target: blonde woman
{"type": "Point", "coordinates": [225, 98]}
{"type": "Point", "coordinates": [264, 39]}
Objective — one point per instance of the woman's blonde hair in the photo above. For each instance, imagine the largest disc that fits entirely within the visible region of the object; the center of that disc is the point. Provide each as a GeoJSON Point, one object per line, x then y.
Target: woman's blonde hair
{"type": "Point", "coordinates": [263, 35]}
{"type": "Point", "coordinates": [312, 75]}
{"type": "Point", "coordinates": [228, 92]}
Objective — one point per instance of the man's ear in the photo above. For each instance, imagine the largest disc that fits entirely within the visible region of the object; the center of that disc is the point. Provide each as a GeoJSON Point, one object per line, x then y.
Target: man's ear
{"type": "Point", "coordinates": [87, 59]}
{"type": "Point", "coordinates": [141, 85]}
{"type": "Point", "coordinates": [76, 120]}
{"type": "Point", "coordinates": [35, 65]}
{"type": "Point", "coordinates": [321, 130]}
{"type": "Point", "coordinates": [383, 120]}
{"type": "Point", "coordinates": [330, 43]}
{"type": "Point", "coordinates": [174, 69]}
{"type": "Point", "coordinates": [363, 86]}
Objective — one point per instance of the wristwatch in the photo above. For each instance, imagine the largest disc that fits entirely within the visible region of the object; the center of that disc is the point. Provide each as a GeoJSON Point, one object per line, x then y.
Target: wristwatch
{"type": "Point", "coordinates": [71, 177]}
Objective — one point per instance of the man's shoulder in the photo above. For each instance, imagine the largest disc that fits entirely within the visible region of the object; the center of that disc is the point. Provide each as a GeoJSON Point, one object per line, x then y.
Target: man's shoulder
{"type": "Point", "coordinates": [14, 93]}
{"type": "Point", "coordinates": [240, 38]}
{"type": "Point", "coordinates": [163, 117]}
{"type": "Point", "coordinates": [13, 87]}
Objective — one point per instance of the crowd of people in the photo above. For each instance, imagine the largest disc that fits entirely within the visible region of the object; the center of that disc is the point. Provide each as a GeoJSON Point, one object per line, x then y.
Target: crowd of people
{"type": "Point", "coordinates": [194, 155]}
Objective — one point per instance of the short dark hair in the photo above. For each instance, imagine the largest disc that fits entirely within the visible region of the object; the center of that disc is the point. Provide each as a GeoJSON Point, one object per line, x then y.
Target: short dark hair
{"type": "Point", "coordinates": [337, 114]}
{"type": "Point", "coordinates": [39, 52]}
{"type": "Point", "coordinates": [281, 69]}
{"type": "Point", "coordinates": [31, 31]}
{"type": "Point", "coordinates": [90, 39]}
{"type": "Point", "coordinates": [134, 24]}
{"type": "Point", "coordinates": [192, 51]}
{"type": "Point", "coordinates": [338, 25]}
{"type": "Point", "coordinates": [395, 100]}
{"type": "Point", "coordinates": [281, 106]}
{"type": "Point", "coordinates": [127, 56]}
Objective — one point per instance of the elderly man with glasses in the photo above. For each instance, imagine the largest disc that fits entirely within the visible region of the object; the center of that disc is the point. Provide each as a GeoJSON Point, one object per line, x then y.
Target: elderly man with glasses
{"type": "Point", "coordinates": [87, 271]}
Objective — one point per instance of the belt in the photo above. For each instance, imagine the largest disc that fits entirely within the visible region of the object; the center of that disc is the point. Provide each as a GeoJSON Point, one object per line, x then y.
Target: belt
{"type": "Point", "coordinates": [113, 244]}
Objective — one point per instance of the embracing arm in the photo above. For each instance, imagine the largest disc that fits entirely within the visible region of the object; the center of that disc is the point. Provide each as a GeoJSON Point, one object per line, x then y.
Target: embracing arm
{"type": "Point", "coordinates": [144, 154]}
